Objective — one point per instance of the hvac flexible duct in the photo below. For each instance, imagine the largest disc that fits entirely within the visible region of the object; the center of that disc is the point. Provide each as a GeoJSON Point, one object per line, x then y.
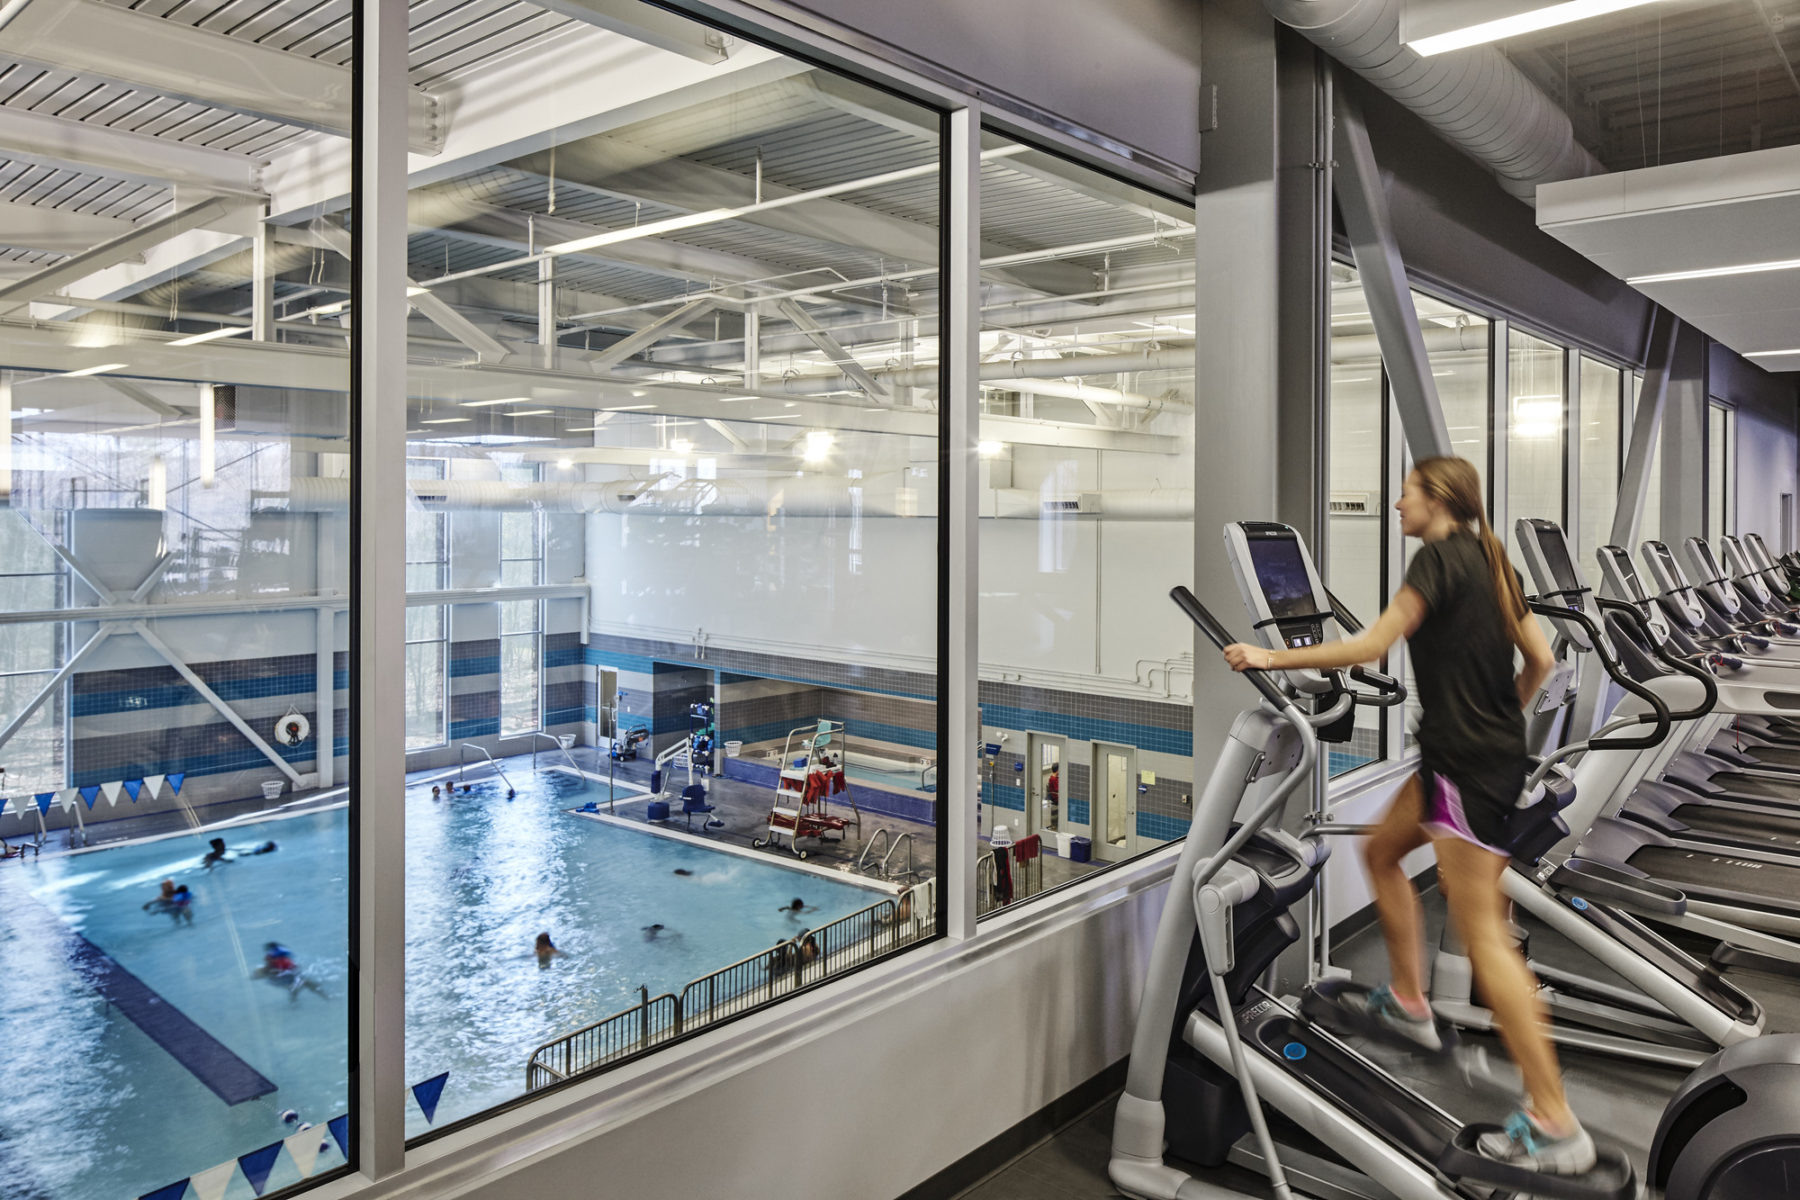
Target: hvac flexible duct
{"type": "Point", "coordinates": [1475, 98]}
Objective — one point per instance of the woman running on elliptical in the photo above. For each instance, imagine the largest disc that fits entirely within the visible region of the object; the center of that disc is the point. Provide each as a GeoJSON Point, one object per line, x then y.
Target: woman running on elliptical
{"type": "Point", "coordinates": [1462, 612]}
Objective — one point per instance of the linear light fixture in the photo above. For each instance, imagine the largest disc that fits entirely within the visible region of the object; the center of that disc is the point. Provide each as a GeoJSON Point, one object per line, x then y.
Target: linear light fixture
{"type": "Point", "coordinates": [158, 488]}
{"type": "Point", "coordinates": [777, 417]}
{"type": "Point", "coordinates": [1517, 26]}
{"type": "Point", "coordinates": [491, 403]}
{"type": "Point", "coordinates": [1772, 353]}
{"type": "Point", "coordinates": [211, 335]}
{"type": "Point", "coordinates": [532, 412]}
{"type": "Point", "coordinates": [208, 426]}
{"type": "Point", "coordinates": [627, 407]}
{"type": "Point", "coordinates": [448, 421]}
{"type": "Point", "coordinates": [1783, 264]}
{"type": "Point", "coordinates": [103, 367]}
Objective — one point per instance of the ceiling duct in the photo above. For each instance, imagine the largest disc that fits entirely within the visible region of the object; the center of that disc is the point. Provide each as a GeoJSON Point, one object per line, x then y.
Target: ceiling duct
{"type": "Point", "coordinates": [1475, 99]}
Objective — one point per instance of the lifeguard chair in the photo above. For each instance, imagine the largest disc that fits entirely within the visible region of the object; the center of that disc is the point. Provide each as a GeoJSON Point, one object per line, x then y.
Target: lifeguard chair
{"type": "Point", "coordinates": [812, 771]}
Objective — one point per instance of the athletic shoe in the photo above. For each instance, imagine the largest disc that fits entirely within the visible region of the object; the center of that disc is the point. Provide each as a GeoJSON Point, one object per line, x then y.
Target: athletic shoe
{"type": "Point", "coordinates": [1525, 1143]}
{"type": "Point", "coordinates": [1379, 1005]}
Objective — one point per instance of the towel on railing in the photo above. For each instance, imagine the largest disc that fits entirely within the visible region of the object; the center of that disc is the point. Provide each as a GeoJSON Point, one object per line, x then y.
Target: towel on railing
{"type": "Point", "coordinates": [1027, 848]}
{"type": "Point", "coordinates": [1003, 883]}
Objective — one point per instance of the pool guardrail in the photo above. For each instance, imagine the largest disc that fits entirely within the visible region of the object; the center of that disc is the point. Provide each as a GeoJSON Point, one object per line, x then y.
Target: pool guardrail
{"type": "Point", "coordinates": [804, 959]}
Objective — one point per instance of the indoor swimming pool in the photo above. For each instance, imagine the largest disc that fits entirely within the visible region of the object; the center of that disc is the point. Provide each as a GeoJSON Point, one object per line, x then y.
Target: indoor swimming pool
{"type": "Point", "coordinates": [485, 876]}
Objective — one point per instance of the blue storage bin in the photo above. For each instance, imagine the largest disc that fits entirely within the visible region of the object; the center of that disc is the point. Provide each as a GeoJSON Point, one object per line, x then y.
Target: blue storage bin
{"type": "Point", "coordinates": [1081, 849]}
{"type": "Point", "coordinates": [656, 810]}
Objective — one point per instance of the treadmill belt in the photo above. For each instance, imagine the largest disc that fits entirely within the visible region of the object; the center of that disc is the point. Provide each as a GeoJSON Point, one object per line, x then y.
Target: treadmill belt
{"type": "Point", "coordinates": [1770, 830]}
{"type": "Point", "coordinates": [1770, 886]}
{"type": "Point", "coordinates": [1740, 784]}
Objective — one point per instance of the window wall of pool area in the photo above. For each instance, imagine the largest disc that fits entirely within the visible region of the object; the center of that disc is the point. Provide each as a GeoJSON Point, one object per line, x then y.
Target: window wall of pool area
{"type": "Point", "coordinates": [479, 620]}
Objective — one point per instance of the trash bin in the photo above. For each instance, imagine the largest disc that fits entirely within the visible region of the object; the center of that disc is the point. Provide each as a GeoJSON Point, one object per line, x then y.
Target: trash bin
{"type": "Point", "coordinates": [656, 810]}
{"type": "Point", "coordinates": [565, 740]}
{"type": "Point", "coordinates": [1062, 843]}
{"type": "Point", "coordinates": [272, 789]}
{"type": "Point", "coordinates": [1080, 849]}
{"type": "Point", "coordinates": [733, 749]}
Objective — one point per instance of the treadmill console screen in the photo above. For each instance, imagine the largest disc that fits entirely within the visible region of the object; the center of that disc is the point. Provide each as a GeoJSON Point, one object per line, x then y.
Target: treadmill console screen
{"type": "Point", "coordinates": [1704, 555]}
{"type": "Point", "coordinates": [1281, 574]}
{"type": "Point", "coordinates": [1628, 578]}
{"type": "Point", "coordinates": [1666, 557]}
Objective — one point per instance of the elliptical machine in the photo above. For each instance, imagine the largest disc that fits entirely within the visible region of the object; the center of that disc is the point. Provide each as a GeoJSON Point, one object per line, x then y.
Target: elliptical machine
{"type": "Point", "coordinates": [1212, 1045]}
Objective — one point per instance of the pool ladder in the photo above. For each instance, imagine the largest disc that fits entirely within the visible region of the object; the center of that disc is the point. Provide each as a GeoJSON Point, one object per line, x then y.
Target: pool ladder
{"type": "Point", "coordinates": [462, 759]}
{"type": "Point", "coordinates": [883, 839]}
{"type": "Point", "coordinates": [558, 743]}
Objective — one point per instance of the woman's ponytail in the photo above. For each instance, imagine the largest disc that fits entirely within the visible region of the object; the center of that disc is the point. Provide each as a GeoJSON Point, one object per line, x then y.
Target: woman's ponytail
{"type": "Point", "coordinates": [1453, 482]}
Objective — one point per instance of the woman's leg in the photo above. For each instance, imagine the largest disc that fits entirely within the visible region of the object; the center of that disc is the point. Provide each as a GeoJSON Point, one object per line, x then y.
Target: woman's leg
{"type": "Point", "coordinates": [1396, 901]}
{"type": "Point", "coordinates": [1470, 877]}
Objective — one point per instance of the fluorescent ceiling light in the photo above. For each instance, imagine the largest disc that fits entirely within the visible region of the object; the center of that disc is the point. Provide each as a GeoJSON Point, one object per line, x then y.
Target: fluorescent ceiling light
{"type": "Point", "coordinates": [1772, 353]}
{"type": "Point", "coordinates": [90, 370]}
{"type": "Point", "coordinates": [1785, 264]}
{"type": "Point", "coordinates": [1521, 24]}
{"type": "Point", "coordinates": [211, 335]}
{"type": "Point", "coordinates": [627, 407]}
{"type": "Point", "coordinates": [491, 403]}
{"type": "Point", "coordinates": [448, 421]}
{"type": "Point", "coordinates": [532, 412]}
{"type": "Point", "coordinates": [777, 417]}
{"type": "Point", "coordinates": [209, 413]}
{"type": "Point", "coordinates": [490, 439]}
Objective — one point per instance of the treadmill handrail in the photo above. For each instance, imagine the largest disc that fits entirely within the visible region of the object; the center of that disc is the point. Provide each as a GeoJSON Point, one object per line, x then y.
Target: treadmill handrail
{"type": "Point", "coordinates": [1676, 661]}
{"type": "Point", "coordinates": [1616, 669]}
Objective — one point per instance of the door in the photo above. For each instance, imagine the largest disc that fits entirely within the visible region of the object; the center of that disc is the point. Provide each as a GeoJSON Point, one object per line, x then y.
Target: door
{"type": "Point", "coordinates": [1044, 755]}
{"type": "Point", "coordinates": [1113, 781]}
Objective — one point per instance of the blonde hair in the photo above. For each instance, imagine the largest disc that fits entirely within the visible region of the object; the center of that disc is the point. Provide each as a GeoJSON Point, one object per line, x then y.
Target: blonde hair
{"type": "Point", "coordinates": [1453, 483]}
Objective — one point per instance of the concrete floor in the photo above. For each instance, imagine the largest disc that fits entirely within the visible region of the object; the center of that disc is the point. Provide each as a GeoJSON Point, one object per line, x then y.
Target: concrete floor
{"type": "Point", "coordinates": [1619, 1102]}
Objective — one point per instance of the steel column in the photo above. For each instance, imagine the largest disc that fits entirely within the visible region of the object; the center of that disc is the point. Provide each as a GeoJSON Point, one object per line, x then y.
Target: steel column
{"type": "Point", "coordinates": [1646, 426]}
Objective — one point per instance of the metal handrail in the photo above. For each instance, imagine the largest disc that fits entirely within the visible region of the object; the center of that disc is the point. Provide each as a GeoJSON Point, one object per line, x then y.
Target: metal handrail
{"type": "Point", "coordinates": [882, 836]}
{"type": "Point", "coordinates": [905, 839]}
{"type": "Point", "coordinates": [462, 761]}
{"type": "Point", "coordinates": [558, 743]}
{"type": "Point", "coordinates": [877, 929]}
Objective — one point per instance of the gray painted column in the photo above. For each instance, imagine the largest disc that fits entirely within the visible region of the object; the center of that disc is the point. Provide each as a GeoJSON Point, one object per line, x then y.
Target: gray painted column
{"type": "Point", "coordinates": [1684, 441]}
{"type": "Point", "coordinates": [1363, 202]}
{"type": "Point", "coordinates": [1646, 425]}
{"type": "Point", "coordinates": [378, 632]}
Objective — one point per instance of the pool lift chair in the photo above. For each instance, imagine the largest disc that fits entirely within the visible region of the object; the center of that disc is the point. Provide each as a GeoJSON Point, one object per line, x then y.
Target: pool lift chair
{"type": "Point", "coordinates": [693, 800]}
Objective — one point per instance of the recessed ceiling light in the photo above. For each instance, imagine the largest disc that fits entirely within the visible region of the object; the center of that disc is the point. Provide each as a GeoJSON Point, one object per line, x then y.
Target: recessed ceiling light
{"type": "Point", "coordinates": [1783, 264]}
{"type": "Point", "coordinates": [1772, 353]}
{"type": "Point", "coordinates": [211, 335]}
{"type": "Point", "coordinates": [491, 403]}
{"type": "Point", "coordinates": [1520, 24]}
{"type": "Point", "coordinates": [628, 407]}
{"type": "Point", "coordinates": [778, 417]}
{"type": "Point", "coordinates": [532, 412]}
{"type": "Point", "coordinates": [90, 370]}
{"type": "Point", "coordinates": [448, 421]}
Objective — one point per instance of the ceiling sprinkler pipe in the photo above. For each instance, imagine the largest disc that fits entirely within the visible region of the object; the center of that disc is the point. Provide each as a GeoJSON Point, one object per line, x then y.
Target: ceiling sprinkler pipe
{"type": "Point", "coordinates": [1475, 99]}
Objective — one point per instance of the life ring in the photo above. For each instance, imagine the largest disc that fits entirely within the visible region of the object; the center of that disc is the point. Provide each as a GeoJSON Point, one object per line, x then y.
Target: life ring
{"type": "Point", "coordinates": [292, 729]}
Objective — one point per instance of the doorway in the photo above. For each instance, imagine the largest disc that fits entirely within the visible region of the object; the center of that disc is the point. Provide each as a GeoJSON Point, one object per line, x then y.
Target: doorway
{"type": "Point", "coordinates": [1044, 755]}
{"type": "Point", "coordinates": [1112, 780]}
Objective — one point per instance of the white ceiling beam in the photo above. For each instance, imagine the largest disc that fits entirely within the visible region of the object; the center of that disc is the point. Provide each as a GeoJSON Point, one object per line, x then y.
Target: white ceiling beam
{"type": "Point", "coordinates": [642, 23]}
{"type": "Point", "coordinates": [833, 350]}
{"type": "Point", "coordinates": [486, 346]}
{"type": "Point", "coordinates": [649, 335]}
{"type": "Point", "coordinates": [174, 258]}
{"type": "Point", "coordinates": [111, 253]}
{"type": "Point", "coordinates": [35, 227]}
{"type": "Point", "coordinates": [138, 50]}
{"type": "Point", "coordinates": [530, 102]}
{"type": "Point", "coordinates": [52, 141]}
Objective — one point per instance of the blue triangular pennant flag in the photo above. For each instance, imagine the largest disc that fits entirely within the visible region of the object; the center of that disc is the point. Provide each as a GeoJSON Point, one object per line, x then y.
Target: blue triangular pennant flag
{"type": "Point", "coordinates": [339, 1126]}
{"type": "Point", "coordinates": [175, 782]}
{"type": "Point", "coordinates": [428, 1093]}
{"type": "Point", "coordinates": [90, 794]}
{"type": "Point", "coordinates": [175, 1191]}
{"type": "Point", "coordinates": [258, 1163]}
{"type": "Point", "coordinates": [133, 787]}
{"type": "Point", "coordinates": [44, 801]}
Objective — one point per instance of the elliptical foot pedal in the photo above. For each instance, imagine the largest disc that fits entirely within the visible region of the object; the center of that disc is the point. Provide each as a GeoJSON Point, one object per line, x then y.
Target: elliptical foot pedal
{"type": "Point", "coordinates": [1612, 1176]}
{"type": "Point", "coordinates": [1726, 956]}
{"type": "Point", "coordinates": [1340, 1006]}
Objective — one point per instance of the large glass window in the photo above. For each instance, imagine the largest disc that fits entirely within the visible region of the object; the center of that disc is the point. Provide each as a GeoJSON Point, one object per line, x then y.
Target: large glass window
{"type": "Point", "coordinates": [1456, 342]}
{"type": "Point", "coordinates": [1600, 461]}
{"type": "Point", "coordinates": [176, 963]}
{"type": "Point", "coordinates": [427, 570]}
{"type": "Point", "coordinates": [1537, 393]}
{"type": "Point", "coordinates": [1087, 427]}
{"type": "Point", "coordinates": [676, 344]}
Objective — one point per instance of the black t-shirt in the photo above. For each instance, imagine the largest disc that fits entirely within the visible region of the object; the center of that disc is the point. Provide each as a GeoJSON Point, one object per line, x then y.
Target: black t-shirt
{"type": "Point", "coordinates": [1471, 728]}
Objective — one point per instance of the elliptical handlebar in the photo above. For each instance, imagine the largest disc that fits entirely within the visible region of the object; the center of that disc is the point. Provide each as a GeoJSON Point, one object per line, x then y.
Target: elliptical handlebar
{"type": "Point", "coordinates": [1616, 669]}
{"type": "Point", "coordinates": [1216, 633]}
{"type": "Point", "coordinates": [1676, 661]}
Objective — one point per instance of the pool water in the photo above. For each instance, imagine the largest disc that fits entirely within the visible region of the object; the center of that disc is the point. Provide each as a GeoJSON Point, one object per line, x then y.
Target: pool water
{"type": "Point", "coordinates": [905, 779]}
{"type": "Point", "coordinates": [95, 1108]}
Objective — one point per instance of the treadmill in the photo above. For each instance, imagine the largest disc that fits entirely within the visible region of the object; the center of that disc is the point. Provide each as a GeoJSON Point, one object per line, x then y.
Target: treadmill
{"type": "Point", "coordinates": [1750, 888]}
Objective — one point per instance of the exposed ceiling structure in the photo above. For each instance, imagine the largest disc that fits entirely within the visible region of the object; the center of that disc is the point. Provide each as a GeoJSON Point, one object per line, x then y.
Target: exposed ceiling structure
{"type": "Point", "coordinates": [612, 209]}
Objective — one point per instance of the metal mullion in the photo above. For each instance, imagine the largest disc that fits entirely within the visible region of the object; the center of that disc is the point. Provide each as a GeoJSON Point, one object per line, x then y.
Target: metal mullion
{"type": "Point", "coordinates": [1499, 424]}
{"type": "Point", "coordinates": [1571, 497]}
{"type": "Point", "coordinates": [959, 643]}
{"type": "Point", "coordinates": [378, 611]}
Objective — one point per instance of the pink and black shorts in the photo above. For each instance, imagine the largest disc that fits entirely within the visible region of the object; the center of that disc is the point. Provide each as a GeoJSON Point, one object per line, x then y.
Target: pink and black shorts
{"type": "Point", "coordinates": [1449, 814]}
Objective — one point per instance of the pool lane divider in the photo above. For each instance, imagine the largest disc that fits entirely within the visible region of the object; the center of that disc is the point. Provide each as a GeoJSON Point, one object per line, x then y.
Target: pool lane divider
{"type": "Point", "coordinates": [206, 1058]}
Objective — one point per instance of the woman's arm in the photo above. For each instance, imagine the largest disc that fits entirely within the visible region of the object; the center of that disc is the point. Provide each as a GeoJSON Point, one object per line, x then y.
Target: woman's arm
{"type": "Point", "coordinates": [1398, 620]}
{"type": "Point", "coordinates": [1528, 636]}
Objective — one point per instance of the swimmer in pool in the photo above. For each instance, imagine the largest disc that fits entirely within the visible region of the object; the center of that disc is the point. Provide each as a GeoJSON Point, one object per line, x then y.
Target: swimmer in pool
{"type": "Point", "coordinates": [546, 950]}
{"type": "Point", "coordinates": [166, 894]}
{"type": "Point", "coordinates": [264, 848]}
{"type": "Point", "coordinates": [682, 871]}
{"type": "Point", "coordinates": [280, 968]}
{"type": "Point", "coordinates": [218, 854]}
{"type": "Point", "coordinates": [652, 932]}
{"type": "Point", "coordinates": [794, 908]}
